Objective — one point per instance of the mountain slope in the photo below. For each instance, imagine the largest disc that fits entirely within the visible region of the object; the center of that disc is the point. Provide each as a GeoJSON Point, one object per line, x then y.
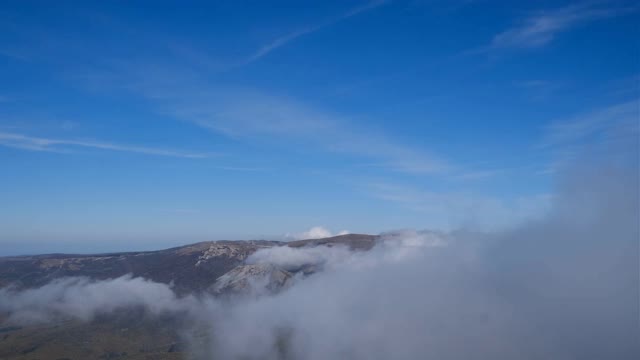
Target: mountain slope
{"type": "Point", "coordinates": [190, 268]}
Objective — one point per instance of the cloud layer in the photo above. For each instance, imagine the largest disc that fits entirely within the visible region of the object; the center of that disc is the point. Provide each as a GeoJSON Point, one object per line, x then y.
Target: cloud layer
{"type": "Point", "coordinates": [562, 287]}
{"type": "Point", "coordinates": [83, 298]}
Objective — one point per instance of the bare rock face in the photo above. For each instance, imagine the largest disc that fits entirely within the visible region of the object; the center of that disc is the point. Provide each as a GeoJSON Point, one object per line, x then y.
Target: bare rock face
{"type": "Point", "coordinates": [236, 250]}
{"type": "Point", "coordinates": [255, 279]}
{"type": "Point", "coordinates": [266, 278]}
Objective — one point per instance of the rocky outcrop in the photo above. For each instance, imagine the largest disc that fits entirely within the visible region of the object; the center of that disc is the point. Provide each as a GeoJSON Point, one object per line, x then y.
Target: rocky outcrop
{"type": "Point", "coordinates": [254, 279]}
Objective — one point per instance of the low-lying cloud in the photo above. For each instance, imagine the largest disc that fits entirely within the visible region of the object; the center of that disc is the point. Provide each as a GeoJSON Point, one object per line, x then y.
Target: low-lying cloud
{"type": "Point", "coordinates": [83, 299]}
{"type": "Point", "coordinates": [393, 246]}
{"type": "Point", "coordinates": [562, 287]}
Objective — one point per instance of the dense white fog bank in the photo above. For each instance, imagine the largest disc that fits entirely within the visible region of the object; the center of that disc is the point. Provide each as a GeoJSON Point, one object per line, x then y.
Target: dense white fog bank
{"type": "Point", "coordinates": [83, 299]}
{"type": "Point", "coordinates": [565, 287]}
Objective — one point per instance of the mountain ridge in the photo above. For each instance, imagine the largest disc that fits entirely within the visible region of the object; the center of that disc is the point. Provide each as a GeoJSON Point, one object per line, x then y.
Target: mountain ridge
{"type": "Point", "coordinates": [190, 268]}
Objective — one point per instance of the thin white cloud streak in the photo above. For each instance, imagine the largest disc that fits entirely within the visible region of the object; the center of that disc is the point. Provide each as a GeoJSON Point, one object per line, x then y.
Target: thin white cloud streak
{"type": "Point", "coordinates": [20, 141]}
{"type": "Point", "coordinates": [610, 125]}
{"type": "Point", "coordinates": [246, 113]}
{"type": "Point", "coordinates": [254, 115]}
{"type": "Point", "coordinates": [450, 210]}
{"type": "Point", "coordinates": [479, 174]}
{"type": "Point", "coordinates": [243, 169]}
{"type": "Point", "coordinates": [285, 39]}
{"type": "Point", "coordinates": [540, 29]}
{"type": "Point", "coordinates": [597, 123]}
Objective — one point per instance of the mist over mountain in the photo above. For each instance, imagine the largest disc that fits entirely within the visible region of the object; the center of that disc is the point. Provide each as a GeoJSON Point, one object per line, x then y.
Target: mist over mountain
{"type": "Point", "coordinates": [562, 287]}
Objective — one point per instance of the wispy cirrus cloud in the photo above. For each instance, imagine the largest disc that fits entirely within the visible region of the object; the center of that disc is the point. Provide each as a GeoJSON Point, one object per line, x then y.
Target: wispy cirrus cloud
{"type": "Point", "coordinates": [541, 28]}
{"type": "Point", "coordinates": [287, 38]}
{"type": "Point", "coordinates": [479, 174]}
{"type": "Point", "coordinates": [452, 209]}
{"type": "Point", "coordinates": [600, 130]}
{"type": "Point", "coordinates": [25, 142]}
{"type": "Point", "coordinates": [256, 115]}
{"type": "Point", "coordinates": [250, 114]}
{"type": "Point", "coordinates": [594, 124]}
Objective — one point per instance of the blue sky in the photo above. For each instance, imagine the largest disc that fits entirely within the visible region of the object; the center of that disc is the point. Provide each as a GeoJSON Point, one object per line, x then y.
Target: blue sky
{"type": "Point", "coordinates": [139, 125]}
